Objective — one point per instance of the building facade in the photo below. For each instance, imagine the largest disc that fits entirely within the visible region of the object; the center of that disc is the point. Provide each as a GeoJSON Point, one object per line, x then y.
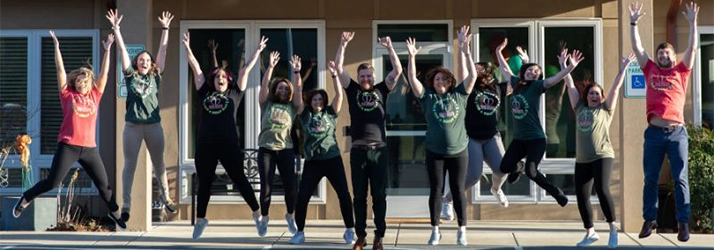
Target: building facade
{"type": "Point", "coordinates": [312, 29]}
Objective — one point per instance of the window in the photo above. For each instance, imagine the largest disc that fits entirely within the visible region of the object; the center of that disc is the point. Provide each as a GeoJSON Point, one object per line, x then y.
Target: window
{"type": "Point", "coordinates": [703, 79]}
{"type": "Point", "coordinates": [237, 40]}
{"type": "Point", "coordinates": [29, 101]}
{"type": "Point", "coordinates": [542, 39]}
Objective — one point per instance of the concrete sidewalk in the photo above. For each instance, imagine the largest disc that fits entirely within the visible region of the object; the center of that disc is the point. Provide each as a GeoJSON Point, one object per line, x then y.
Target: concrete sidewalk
{"type": "Point", "coordinates": [327, 234]}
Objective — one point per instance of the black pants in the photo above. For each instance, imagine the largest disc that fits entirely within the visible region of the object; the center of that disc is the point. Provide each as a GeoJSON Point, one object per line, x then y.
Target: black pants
{"type": "Point", "coordinates": [599, 170]}
{"type": "Point", "coordinates": [369, 167]}
{"type": "Point", "coordinates": [91, 162]}
{"type": "Point", "coordinates": [285, 162]}
{"type": "Point", "coordinates": [230, 156]}
{"type": "Point", "coordinates": [436, 167]}
{"type": "Point", "coordinates": [533, 151]}
{"type": "Point", "coordinates": [313, 172]}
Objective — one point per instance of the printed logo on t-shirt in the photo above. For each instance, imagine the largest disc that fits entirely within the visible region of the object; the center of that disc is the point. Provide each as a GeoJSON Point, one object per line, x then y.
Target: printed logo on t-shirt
{"type": "Point", "coordinates": [487, 103]}
{"type": "Point", "coordinates": [279, 117]}
{"type": "Point", "coordinates": [445, 110]}
{"type": "Point", "coordinates": [519, 106]}
{"type": "Point", "coordinates": [83, 106]}
{"type": "Point", "coordinates": [585, 120]}
{"type": "Point", "coordinates": [215, 103]}
{"type": "Point", "coordinates": [367, 100]}
{"type": "Point", "coordinates": [141, 86]}
{"type": "Point", "coordinates": [663, 82]}
{"type": "Point", "coordinates": [319, 125]}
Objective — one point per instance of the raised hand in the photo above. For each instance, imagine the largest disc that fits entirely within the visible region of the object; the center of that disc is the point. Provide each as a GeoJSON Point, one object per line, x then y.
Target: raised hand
{"type": "Point", "coordinates": [274, 58]}
{"type": "Point", "coordinates": [575, 58]}
{"type": "Point", "coordinates": [502, 46]}
{"type": "Point", "coordinates": [523, 54]}
{"type": "Point", "coordinates": [54, 38]}
{"type": "Point", "coordinates": [636, 12]}
{"type": "Point", "coordinates": [114, 18]}
{"type": "Point", "coordinates": [108, 43]}
{"type": "Point", "coordinates": [332, 66]}
{"type": "Point", "coordinates": [263, 43]}
{"type": "Point", "coordinates": [295, 63]}
{"type": "Point", "coordinates": [463, 32]}
{"type": "Point", "coordinates": [212, 45]}
{"type": "Point", "coordinates": [313, 62]}
{"type": "Point", "coordinates": [165, 19]}
{"type": "Point", "coordinates": [385, 42]}
{"type": "Point", "coordinates": [629, 59]}
{"type": "Point", "coordinates": [186, 40]}
{"type": "Point", "coordinates": [411, 46]}
{"type": "Point", "coordinates": [347, 37]}
{"type": "Point", "coordinates": [692, 12]}
{"type": "Point", "coordinates": [563, 58]}
{"type": "Point", "coordinates": [465, 45]}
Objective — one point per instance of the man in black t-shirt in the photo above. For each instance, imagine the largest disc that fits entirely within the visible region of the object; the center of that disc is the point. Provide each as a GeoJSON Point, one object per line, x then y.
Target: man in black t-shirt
{"type": "Point", "coordinates": [369, 156]}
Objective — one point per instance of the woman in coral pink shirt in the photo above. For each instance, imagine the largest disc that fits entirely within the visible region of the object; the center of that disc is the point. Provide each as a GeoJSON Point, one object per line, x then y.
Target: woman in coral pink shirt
{"type": "Point", "coordinates": [80, 103]}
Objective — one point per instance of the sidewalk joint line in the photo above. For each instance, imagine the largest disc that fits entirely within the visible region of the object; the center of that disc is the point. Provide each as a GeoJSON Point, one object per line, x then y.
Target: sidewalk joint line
{"type": "Point", "coordinates": [667, 239]}
{"type": "Point", "coordinates": [633, 239]}
{"type": "Point", "coordinates": [277, 240]}
{"type": "Point", "coordinates": [515, 239]}
{"type": "Point", "coordinates": [396, 239]}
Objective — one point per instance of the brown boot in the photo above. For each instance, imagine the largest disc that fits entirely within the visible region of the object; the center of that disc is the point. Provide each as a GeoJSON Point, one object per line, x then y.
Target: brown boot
{"type": "Point", "coordinates": [377, 245]}
{"type": "Point", "coordinates": [359, 244]}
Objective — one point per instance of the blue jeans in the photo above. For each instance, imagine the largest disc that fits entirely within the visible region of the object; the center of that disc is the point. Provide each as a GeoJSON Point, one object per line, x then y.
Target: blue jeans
{"type": "Point", "coordinates": [675, 143]}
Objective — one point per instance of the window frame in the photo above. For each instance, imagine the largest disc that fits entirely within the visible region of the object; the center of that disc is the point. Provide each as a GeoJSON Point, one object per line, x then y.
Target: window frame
{"type": "Point", "coordinates": [34, 92]}
{"type": "Point", "coordinates": [536, 32]}
{"type": "Point", "coordinates": [697, 76]}
{"type": "Point", "coordinates": [252, 110]}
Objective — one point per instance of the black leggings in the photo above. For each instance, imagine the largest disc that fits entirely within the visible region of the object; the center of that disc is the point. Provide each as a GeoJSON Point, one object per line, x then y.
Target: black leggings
{"type": "Point", "coordinates": [600, 170]}
{"type": "Point", "coordinates": [207, 157]}
{"type": "Point", "coordinates": [436, 167]}
{"type": "Point", "coordinates": [285, 161]}
{"type": "Point", "coordinates": [91, 162]}
{"type": "Point", "coordinates": [533, 150]}
{"type": "Point", "coordinates": [313, 172]}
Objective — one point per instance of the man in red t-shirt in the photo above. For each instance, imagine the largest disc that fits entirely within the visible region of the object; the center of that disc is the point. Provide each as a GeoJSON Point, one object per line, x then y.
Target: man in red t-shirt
{"type": "Point", "coordinates": [666, 82]}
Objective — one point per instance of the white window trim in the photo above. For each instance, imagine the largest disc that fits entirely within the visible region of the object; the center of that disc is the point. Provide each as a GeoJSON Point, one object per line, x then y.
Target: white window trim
{"type": "Point", "coordinates": [697, 88]}
{"type": "Point", "coordinates": [34, 89]}
{"type": "Point", "coordinates": [252, 111]}
{"type": "Point", "coordinates": [536, 34]}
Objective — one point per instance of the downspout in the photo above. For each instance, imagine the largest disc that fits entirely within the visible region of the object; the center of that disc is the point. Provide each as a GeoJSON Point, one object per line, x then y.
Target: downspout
{"type": "Point", "coordinates": [671, 29]}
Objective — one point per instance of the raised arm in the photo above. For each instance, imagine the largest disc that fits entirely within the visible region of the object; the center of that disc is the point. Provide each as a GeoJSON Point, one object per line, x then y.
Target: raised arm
{"type": "Point", "coordinates": [611, 100]}
{"type": "Point", "coordinates": [693, 44]}
{"type": "Point", "coordinates": [103, 74]}
{"type": "Point", "coordinates": [573, 93]}
{"type": "Point", "coordinates": [198, 77]}
{"type": "Point", "coordinates": [465, 50]}
{"type": "Point", "coordinates": [635, 14]}
{"type": "Point", "coordinates": [296, 64]}
{"type": "Point", "coordinates": [572, 63]}
{"type": "Point", "coordinates": [391, 79]}
{"type": "Point", "coordinates": [502, 64]}
{"type": "Point", "coordinates": [340, 58]}
{"type": "Point", "coordinates": [243, 73]}
{"type": "Point", "coordinates": [165, 20]}
{"type": "Point", "coordinates": [417, 87]}
{"type": "Point", "coordinates": [337, 100]}
{"type": "Point", "coordinates": [308, 72]}
{"type": "Point", "coordinates": [59, 63]}
{"type": "Point", "coordinates": [265, 84]}
{"type": "Point", "coordinates": [213, 46]}
{"type": "Point", "coordinates": [115, 19]}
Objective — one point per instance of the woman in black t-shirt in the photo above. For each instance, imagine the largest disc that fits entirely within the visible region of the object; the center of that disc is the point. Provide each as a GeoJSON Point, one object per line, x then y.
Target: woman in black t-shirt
{"type": "Point", "coordinates": [217, 138]}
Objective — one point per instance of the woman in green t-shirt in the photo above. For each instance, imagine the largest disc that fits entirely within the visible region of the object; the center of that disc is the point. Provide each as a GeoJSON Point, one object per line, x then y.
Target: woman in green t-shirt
{"type": "Point", "coordinates": [595, 155]}
{"type": "Point", "coordinates": [444, 107]}
{"type": "Point", "coordinates": [528, 136]}
{"type": "Point", "coordinates": [322, 156]}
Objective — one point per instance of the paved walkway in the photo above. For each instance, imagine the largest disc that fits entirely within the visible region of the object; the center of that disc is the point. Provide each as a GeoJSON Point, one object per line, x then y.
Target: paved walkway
{"type": "Point", "coordinates": [328, 235]}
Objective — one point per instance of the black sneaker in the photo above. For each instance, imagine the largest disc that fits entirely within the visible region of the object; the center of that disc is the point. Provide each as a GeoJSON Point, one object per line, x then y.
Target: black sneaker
{"type": "Point", "coordinates": [17, 209]}
{"type": "Point", "coordinates": [170, 207]}
{"type": "Point", "coordinates": [125, 216]}
{"type": "Point", "coordinates": [119, 222]}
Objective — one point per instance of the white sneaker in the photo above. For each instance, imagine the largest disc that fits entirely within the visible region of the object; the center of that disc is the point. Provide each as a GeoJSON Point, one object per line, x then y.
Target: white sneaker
{"type": "Point", "coordinates": [198, 228]}
{"type": "Point", "coordinates": [349, 236]}
{"type": "Point", "coordinates": [612, 242]}
{"type": "Point", "coordinates": [263, 226]}
{"type": "Point", "coordinates": [435, 238]}
{"type": "Point", "coordinates": [461, 238]}
{"type": "Point", "coordinates": [588, 240]}
{"type": "Point", "coordinates": [447, 211]}
{"type": "Point", "coordinates": [291, 223]}
{"type": "Point", "coordinates": [298, 238]}
{"type": "Point", "coordinates": [500, 197]}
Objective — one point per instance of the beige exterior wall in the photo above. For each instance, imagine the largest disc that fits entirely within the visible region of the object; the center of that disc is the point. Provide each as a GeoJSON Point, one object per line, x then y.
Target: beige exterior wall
{"type": "Point", "coordinates": [358, 16]}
